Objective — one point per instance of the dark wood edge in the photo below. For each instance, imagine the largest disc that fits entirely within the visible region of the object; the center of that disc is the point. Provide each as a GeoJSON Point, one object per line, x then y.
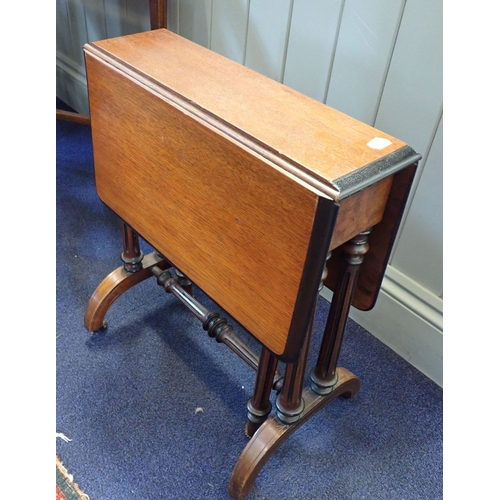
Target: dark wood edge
{"type": "Point", "coordinates": [376, 171]}
{"type": "Point", "coordinates": [208, 119]}
{"type": "Point", "coordinates": [114, 286]}
{"type": "Point", "coordinates": [321, 236]}
{"type": "Point", "coordinates": [272, 434]}
{"type": "Point", "coordinates": [381, 241]}
{"type": "Point", "coordinates": [158, 14]}
{"type": "Point", "coordinates": [71, 116]}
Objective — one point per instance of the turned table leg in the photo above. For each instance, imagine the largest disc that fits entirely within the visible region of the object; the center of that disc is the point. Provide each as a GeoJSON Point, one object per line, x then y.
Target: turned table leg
{"type": "Point", "coordinates": [259, 406]}
{"type": "Point", "coordinates": [136, 268]}
{"type": "Point", "coordinates": [273, 433]}
{"type": "Point", "coordinates": [324, 377]}
{"type": "Point", "coordinates": [132, 255]}
{"type": "Point", "coordinates": [290, 404]}
{"type": "Point", "coordinates": [267, 433]}
{"type": "Point", "coordinates": [295, 404]}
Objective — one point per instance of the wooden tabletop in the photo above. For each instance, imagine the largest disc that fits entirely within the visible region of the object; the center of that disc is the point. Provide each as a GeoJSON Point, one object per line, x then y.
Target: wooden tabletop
{"type": "Point", "coordinates": [240, 182]}
{"type": "Point", "coordinates": [313, 141]}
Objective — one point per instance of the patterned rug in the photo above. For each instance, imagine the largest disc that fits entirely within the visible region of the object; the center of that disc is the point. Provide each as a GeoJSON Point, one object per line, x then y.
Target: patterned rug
{"type": "Point", "coordinates": [66, 488]}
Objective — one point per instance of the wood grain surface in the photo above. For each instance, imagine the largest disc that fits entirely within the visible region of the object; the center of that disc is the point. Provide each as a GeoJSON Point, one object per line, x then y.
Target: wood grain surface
{"type": "Point", "coordinates": [227, 173]}
{"type": "Point", "coordinates": [235, 225]}
{"type": "Point", "coordinates": [311, 136]}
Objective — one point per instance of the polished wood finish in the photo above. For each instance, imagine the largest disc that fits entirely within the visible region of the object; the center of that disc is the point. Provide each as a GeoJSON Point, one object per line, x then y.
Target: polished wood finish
{"type": "Point", "coordinates": [184, 281]}
{"type": "Point", "coordinates": [324, 376]}
{"type": "Point", "coordinates": [132, 255]}
{"type": "Point", "coordinates": [216, 326]}
{"type": "Point", "coordinates": [259, 405]}
{"type": "Point", "coordinates": [382, 239]}
{"type": "Point", "coordinates": [254, 227]}
{"type": "Point", "coordinates": [290, 404]}
{"type": "Point", "coordinates": [158, 14]}
{"type": "Point", "coordinates": [240, 152]}
{"type": "Point", "coordinates": [234, 95]}
{"type": "Point", "coordinates": [247, 188]}
{"type": "Point", "coordinates": [71, 116]}
{"type": "Point", "coordinates": [273, 433]}
{"type": "Point", "coordinates": [360, 211]}
{"type": "Point", "coordinates": [115, 285]}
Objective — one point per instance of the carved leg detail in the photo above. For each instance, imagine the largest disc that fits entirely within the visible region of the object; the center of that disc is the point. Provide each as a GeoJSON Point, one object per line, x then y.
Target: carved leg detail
{"type": "Point", "coordinates": [259, 406]}
{"type": "Point", "coordinates": [272, 433]}
{"type": "Point", "coordinates": [131, 255]}
{"type": "Point", "coordinates": [115, 285]}
{"type": "Point", "coordinates": [290, 402]}
{"type": "Point", "coordinates": [323, 378]}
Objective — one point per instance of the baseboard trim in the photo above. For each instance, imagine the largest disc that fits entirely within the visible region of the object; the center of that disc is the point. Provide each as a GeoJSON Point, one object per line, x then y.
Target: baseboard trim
{"type": "Point", "coordinates": [71, 83]}
{"type": "Point", "coordinates": [409, 319]}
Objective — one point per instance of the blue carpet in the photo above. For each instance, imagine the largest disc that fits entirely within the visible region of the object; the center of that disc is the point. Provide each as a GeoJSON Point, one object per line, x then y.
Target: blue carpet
{"type": "Point", "coordinates": [127, 398]}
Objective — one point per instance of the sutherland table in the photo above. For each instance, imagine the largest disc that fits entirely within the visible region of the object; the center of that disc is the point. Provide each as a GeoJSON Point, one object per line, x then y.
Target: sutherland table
{"type": "Point", "coordinates": [257, 194]}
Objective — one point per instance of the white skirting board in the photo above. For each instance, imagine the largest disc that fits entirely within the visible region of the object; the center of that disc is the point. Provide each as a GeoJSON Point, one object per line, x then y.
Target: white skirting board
{"type": "Point", "coordinates": [408, 319]}
{"type": "Point", "coordinates": [71, 84]}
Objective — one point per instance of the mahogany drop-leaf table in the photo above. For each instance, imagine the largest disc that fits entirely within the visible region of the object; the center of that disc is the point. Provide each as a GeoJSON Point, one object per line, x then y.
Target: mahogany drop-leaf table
{"type": "Point", "coordinates": [257, 194]}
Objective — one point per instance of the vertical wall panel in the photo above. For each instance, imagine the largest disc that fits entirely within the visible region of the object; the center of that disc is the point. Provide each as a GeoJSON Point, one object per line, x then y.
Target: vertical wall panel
{"type": "Point", "coordinates": [114, 17]}
{"type": "Point", "coordinates": [195, 19]}
{"type": "Point", "coordinates": [313, 33]}
{"type": "Point", "coordinates": [78, 30]}
{"type": "Point", "coordinates": [413, 94]}
{"type": "Point", "coordinates": [124, 17]}
{"type": "Point", "coordinates": [173, 9]}
{"type": "Point", "coordinates": [419, 252]}
{"type": "Point", "coordinates": [268, 25]}
{"type": "Point", "coordinates": [63, 34]}
{"type": "Point", "coordinates": [229, 28]}
{"type": "Point", "coordinates": [364, 48]}
{"type": "Point", "coordinates": [95, 20]}
{"type": "Point", "coordinates": [410, 109]}
{"type": "Point", "coordinates": [64, 47]}
{"type": "Point", "coordinates": [137, 16]}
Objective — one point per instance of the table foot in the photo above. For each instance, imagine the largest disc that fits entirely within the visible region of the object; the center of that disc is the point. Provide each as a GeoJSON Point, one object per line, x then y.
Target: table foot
{"type": "Point", "coordinates": [115, 285]}
{"type": "Point", "coordinates": [272, 433]}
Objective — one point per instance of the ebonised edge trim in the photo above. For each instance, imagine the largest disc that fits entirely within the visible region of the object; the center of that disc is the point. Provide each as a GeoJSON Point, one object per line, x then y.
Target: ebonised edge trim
{"type": "Point", "coordinates": [321, 235]}
{"type": "Point", "coordinates": [376, 171]}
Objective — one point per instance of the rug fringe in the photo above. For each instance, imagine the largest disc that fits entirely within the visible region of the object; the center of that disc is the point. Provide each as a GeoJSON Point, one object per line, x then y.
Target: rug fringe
{"type": "Point", "coordinates": [69, 478]}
